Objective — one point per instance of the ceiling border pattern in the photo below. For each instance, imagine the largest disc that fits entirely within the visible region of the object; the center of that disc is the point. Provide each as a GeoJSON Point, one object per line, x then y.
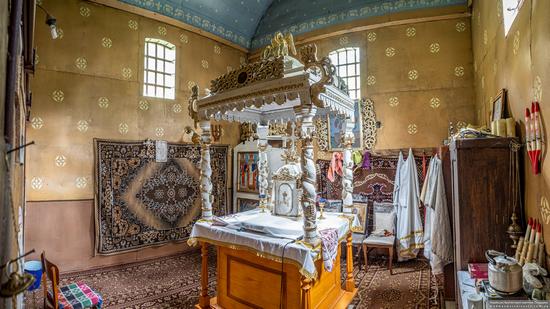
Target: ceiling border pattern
{"type": "Point", "coordinates": [363, 12]}
{"type": "Point", "coordinates": [192, 18]}
{"type": "Point", "coordinates": [202, 22]}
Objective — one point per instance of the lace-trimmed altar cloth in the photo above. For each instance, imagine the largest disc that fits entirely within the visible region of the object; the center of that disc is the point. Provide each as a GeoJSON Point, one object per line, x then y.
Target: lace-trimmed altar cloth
{"type": "Point", "coordinates": [265, 244]}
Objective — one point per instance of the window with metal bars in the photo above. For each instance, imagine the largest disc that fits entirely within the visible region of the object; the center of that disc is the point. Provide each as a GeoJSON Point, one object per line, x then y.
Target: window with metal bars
{"type": "Point", "coordinates": [346, 60]}
{"type": "Point", "coordinates": [159, 77]}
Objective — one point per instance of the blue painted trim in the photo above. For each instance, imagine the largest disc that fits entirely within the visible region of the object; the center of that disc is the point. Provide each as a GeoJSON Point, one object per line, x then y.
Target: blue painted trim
{"type": "Point", "coordinates": [363, 11]}
{"type": "Point", "coordinates": [194, 18]}
{"type": "Point", "coordinates": [199, 13]}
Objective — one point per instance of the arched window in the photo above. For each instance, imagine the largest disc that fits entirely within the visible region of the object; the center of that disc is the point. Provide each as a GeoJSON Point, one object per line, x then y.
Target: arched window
{"type": "Point", "coordinates": [159, 78]}
{"type": "Point", "coordinates": [347, 62]}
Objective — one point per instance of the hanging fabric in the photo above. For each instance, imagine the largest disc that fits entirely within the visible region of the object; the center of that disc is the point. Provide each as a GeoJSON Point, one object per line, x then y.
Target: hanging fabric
{"type": "Point", "coordinates": [410, 236]}
{"type": "Point", "coordinates": [356, 157]}
{"type": "Point", "coordinates": [424, 167]}
{"type": "Point", "coordinates": [437, 234]}
{"type": "Point", "coordinates": [366, 160]}
{"type": "Point", "coordinates": [336, 164]}
{"type": "Point", "coordinates": [397, 184]}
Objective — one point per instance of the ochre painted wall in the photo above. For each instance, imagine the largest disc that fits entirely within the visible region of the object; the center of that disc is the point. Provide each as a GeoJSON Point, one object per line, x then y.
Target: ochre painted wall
{"type": "Point", "coordinates": [519, 62]}
{"type": "Point", "coordinates": [420, 77]}
{"type": "Point", "coordinates": [88, 85]}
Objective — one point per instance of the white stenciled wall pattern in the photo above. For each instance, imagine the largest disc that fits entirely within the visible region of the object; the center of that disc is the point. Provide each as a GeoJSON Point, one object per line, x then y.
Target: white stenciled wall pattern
{"type": "Point", "coordinates": [88, 85]}
{"type": "Point", "coordinates": [420, 77]}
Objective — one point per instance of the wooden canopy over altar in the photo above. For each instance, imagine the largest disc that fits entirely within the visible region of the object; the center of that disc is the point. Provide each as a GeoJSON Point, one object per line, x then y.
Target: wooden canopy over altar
{"type": "Point", "coordinates": [278, 88]}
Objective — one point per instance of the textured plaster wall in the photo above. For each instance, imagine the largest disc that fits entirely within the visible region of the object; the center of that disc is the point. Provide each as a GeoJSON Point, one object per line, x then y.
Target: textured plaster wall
{"type": "Point", "coordinates": [88, 85]}
{"type": "Point", "coordinates": [420, 77]}
{"type": "Point", "coordinates": [519, 62]}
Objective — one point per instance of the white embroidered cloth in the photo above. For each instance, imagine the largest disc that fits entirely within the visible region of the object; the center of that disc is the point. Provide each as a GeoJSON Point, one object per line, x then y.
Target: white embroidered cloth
{"type": "Point", "coordinates": [258, 235]}
{"type": "Point", "coordinates": [329, 247]}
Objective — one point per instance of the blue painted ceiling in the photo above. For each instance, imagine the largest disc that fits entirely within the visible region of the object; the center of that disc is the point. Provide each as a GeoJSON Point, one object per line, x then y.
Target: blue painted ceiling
{"type": "Point", "coordinates": [251, 23]}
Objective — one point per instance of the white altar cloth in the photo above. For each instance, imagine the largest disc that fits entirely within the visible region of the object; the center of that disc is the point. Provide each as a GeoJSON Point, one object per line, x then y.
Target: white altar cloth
{"type": "Point", "coordinates": [269, 246]}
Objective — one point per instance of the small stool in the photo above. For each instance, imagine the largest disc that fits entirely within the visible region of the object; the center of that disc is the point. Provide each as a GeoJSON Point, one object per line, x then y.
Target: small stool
{"type": "Point", "coordinates": [381, 242]}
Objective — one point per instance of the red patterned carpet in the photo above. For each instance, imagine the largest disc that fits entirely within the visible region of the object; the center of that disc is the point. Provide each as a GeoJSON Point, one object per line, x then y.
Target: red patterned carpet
{"type": "Point", "coordinates": [174, 282]}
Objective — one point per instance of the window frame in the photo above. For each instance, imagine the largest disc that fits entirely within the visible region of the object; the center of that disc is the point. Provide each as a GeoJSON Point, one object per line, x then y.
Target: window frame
{"type": "Point", "coordinates": [159, 72]}
{"type": "Point", "coordinates": [512, 15]}
{"type": "Point", "coordinates": [335, 56]}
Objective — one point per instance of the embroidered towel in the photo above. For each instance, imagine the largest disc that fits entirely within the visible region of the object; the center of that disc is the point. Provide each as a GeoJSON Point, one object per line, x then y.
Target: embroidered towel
{"type": "Point", "coordinates": [366, 160]}
{"type": "Point", "coordinates": [329, 247]}
{"type": "Point", "coordinates": [335, 166]}
{"type": "Point", "coordinates": [356, 157]}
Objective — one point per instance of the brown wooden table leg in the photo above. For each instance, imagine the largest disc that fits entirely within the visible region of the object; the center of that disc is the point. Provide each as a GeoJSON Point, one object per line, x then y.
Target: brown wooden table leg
{"type": "Point", "coordinates": [350, 284]}
{"type": "Point", "coordinates": [390, 253]}
{"type": "Point", "coordinates": [306, 294]}
{"type": "Point", "coordinates": [204, 299]}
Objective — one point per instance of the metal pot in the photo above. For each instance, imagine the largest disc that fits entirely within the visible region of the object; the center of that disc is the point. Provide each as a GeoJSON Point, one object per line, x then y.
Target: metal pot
{"type": "Point", "coordinates": [505, 274]}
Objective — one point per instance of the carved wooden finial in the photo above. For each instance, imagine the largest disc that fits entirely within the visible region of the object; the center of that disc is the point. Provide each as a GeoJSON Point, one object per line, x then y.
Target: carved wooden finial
{"type": "Point", "coordinates": [193, 110]}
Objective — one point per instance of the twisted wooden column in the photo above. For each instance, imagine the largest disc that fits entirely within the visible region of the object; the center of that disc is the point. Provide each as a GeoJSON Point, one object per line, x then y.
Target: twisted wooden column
{"type": "Point", "coordinates": [309, 175]}
{"type": "Point", "coordinates": [347, 179]}
{"type": "Point", "coordinates": [206, 171]}
{"type": "Point", "coordinates": [263, 166]}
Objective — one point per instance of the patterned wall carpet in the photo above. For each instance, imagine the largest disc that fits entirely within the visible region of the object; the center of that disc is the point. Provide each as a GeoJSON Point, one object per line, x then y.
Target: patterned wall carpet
{"type": "Point", "coordinates": [141, 202]}
{"type": "Point", "coordinates": [174, 282]}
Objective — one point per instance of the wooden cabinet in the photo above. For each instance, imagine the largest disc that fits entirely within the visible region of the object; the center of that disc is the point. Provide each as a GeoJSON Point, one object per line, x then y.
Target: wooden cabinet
{"type": "Point", "coordinates": [482, 199]}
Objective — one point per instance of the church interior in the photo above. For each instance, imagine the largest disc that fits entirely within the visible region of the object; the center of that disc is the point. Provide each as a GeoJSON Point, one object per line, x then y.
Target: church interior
{"type": "Point", "coordinates": [274, 154]}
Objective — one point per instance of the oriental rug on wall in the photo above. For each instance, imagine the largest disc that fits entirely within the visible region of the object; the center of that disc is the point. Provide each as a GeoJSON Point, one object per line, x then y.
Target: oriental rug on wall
{"type": "Point", "coordinates": [140, 202]}
{"type": "Point", "coordinates": [373, 185]}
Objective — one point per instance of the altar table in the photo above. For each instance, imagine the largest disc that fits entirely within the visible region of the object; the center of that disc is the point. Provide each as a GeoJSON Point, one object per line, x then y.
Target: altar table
{"type": "Point", "coordinates": [254, 273]}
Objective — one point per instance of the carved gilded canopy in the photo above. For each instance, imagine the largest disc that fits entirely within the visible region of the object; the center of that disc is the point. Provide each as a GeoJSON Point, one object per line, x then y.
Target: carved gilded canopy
{"type": "Point", "coordinates": [272, 89]}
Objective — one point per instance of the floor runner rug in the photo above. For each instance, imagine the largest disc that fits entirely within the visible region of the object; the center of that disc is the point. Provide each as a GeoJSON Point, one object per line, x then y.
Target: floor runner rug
{"type": "Point", "coordinates": [174, 282]}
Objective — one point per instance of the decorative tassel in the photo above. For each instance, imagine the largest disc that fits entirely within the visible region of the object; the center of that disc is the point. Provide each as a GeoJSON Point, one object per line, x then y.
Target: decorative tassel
{"type": "Point", "coordinates": [525, 246]}
{"type": "Point", "coordinates": [531, 249]}
{"type": "Point", "coordinates": [519, 248]}
{"type": "Point", "coordinates": [536, 243]}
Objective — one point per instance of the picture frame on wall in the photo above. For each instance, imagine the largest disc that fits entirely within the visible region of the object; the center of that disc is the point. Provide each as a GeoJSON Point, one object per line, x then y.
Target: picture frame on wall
{"type": "Point", "coordinates": [499, 105]}
{"type": "Point", "coordinates": [337, 127]}
{"type": "Point", "coordinates": [333, 206]}
{"type": "Point", "coordinates": [361, 210]}
{"type": "Point", "coordinates": [245, 204]}
{"type": "Point", "coordinates": [247, 163]}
